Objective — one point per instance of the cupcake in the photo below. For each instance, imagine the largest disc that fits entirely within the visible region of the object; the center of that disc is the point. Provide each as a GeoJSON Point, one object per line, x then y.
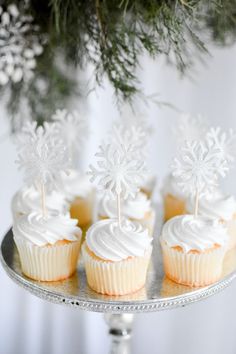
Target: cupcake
{"type": "Point", "coordinates": [193, 249]}
{"type": "Point", "coordinates": [48, 245]}
{"type": "Point", "coordinates": [28, 199]}
{"type": "Point", "coordinates": [221, 207]}
{"type": "Point", "coordinates": [116, 258]}
{"type": "Point", "coordinates": [148, 185]}
{"type": "Point", "coordinates": [174, 198]}
{"type": "Point", "coordinates": [136, 209]}
{"type": "Point", "coordinates": [80, 196]}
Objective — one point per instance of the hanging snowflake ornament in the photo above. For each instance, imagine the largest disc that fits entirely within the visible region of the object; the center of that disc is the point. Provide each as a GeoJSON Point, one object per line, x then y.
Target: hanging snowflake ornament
{"type": "Point", "coordinates": [118, 173]}
{"type": "Point", "coordinates": [72, 128]}
{"type": "Point", "coordinates": [20, 44]}
{"type": "Point", "coordinates": [189, 128]}
{"type": "Point", "coordinates": [198, 167]}
{"type": "Point", "coordinates": [225, 142]}
{"type": "Point", "coordinates": [41, 155]}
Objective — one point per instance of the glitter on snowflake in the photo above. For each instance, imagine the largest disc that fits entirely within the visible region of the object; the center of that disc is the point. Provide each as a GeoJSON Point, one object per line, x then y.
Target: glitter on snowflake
{"type": "Point", "coordinates": [41, 155]}
{"type": "Point", "coordinates": [198, 167]}
{"type": "Point", "coordinates": [31, 132]}
{"type": "Point", "coordinates": [20, 43]}
{"type": "Point", "coordinates": [72, 128]}
{"type": "Point", "coordinates": [224, 141]}
{"type": "Point", "coordinates": [117, 171]}
{"type": "Point", "coordinates": [190, 128]}
{"type": "Point", "coordinates": [134, 137]}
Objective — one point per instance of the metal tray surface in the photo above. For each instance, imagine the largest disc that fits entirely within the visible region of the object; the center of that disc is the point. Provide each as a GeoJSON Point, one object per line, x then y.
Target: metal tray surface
{"type": "Point", "coordinates": [159, 292]}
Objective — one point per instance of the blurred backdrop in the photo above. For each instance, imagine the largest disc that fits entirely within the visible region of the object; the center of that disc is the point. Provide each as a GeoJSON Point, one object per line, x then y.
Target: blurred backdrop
{"type": "Point", "coordinates": [29, 325]}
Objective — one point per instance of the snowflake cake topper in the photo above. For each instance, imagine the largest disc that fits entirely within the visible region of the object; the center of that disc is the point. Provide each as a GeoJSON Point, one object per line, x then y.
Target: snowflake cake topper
{"type": "Point", "coordinates": [224, 141]}
{"type": "Point", "coordinates": [72, 128]}
{"type": "Point", "coordinates": [118, 173]}
{"type": "Point", "coordinates": [42, 157]}
{"type": "Point", "coordinates": [134, 136]}
{"type": "Point", "coordinates": [20, 44]}
{"type": "Point", "coordinates": [31, 132]}
{"type": "Point", "coordinates": [190, 128]}
{"type": "Point", "coordinates": [198, 167]}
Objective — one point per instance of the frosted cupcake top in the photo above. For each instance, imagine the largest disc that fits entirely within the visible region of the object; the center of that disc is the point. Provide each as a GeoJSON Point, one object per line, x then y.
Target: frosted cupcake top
{"type": "Point", "coordinates": [42, 230]}
{"type": "Point", "coordinates": [194, 233]}
{"type": "Point", "coordinates": [131, 208]}
{"type": "Point", "coordinates": [217, 206]}
{"type": "Point", "coordinates": [28, 199]}
{"type": "Point", "coordinates": [75, 184]}
{"type": "Point", "coordinates": [171, 186]}
{"type": "Point", "coordinates": [110, 242]}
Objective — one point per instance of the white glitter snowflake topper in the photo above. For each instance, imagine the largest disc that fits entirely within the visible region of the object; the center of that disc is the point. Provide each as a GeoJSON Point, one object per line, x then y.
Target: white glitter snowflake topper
{"type": "Point", "coordinates": [41, 155]}
{"type": "Point", "coordinates": [198, 167]}
{"type": "Point", "coordinates": [190, 128]}
{"type": "Point", "coordinates": [118, 172]}
{"type": "Point", "coordinates": [134, 137]}
{"type": "Point", "coordinates": [20, 44]}
{"type": "Point", "coordinates": [30, 132]}
{"type": "Point", "coordinates": [224, 141]}
{"type": "Point", "coordinates": [72, 128]}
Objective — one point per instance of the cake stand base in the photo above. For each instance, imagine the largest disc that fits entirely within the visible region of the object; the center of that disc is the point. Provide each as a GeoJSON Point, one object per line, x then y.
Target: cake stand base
{"type": "Point", "coordinates": [120, 331]}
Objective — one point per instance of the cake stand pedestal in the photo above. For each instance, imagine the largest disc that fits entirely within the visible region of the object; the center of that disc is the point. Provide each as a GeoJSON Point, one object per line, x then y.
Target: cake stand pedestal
{"type": "Point", "coordinates": [159, 292]}
{"type": "Point", "coordinates": [120, 331]}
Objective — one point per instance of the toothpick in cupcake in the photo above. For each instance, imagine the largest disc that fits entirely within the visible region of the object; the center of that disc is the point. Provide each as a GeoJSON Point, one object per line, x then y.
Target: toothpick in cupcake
{"type": "Point", "coordinates": [198, 167]}
{"type": "Point", "coordinates": [42, 156]}
{"type": "Point", "coordinates": [118, 172]}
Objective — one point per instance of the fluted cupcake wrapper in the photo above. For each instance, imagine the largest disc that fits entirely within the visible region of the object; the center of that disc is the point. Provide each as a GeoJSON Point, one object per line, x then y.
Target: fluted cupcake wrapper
{"type": "Point", "coordinates": [116, 278]}
{"type": "Point", "coordinates": [48, 263]}
{"type": "Point", "coordinates": [231, 225]}
{"type": "Point", "coordinates": [193, 269]}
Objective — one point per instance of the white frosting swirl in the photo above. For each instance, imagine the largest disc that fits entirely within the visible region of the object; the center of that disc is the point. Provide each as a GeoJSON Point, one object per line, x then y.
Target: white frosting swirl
{"type": "Point", "coordinates": [110, 242]}
{"type": "Point", "coordinates": [170, 186]}
{"type": "Point", "coordinates": [194, 233]}
{"type": "Point", "coordinates": [134, 208]}
{"type": "Point", "coordinates": [75, 184]}
{"type": "Point", "coordinates": [28, 199]}
{"type": "Point", "coordinates": [42, 230]}
{"type": "Point", "coordinates": [216, 206]}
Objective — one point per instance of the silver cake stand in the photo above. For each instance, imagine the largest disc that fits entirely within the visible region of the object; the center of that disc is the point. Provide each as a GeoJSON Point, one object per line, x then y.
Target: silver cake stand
{"type": "Point", "coordinates": [159, 292]}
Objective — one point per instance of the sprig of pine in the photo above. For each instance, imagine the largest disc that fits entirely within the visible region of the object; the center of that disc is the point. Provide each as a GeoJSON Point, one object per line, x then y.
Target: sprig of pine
{"type": "Point", "coordinates": [112, 35]}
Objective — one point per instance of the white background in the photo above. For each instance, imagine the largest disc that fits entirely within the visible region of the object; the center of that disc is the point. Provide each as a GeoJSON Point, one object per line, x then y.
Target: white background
{"type": "Point", "coordinates": [30, 326]}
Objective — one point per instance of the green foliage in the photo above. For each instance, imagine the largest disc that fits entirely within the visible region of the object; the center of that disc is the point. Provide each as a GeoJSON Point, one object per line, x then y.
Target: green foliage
{"type": "Point", "coordinates": [112, 34]}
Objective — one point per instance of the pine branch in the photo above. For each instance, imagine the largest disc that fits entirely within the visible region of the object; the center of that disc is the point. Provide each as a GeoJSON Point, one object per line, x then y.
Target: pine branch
{"type": "Point", "coordinates": [112, 35]}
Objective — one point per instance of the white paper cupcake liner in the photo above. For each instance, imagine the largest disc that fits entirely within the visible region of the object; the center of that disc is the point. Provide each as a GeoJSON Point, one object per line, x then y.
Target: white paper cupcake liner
{"type": "Point", "coordinates": [193, 269]}
{"type": "Point", "coordinates": [116, 278]}
{"type": "Point", "coordinates": [48, 263]}
{"type": "Point", "coordinates": [231, 225]}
